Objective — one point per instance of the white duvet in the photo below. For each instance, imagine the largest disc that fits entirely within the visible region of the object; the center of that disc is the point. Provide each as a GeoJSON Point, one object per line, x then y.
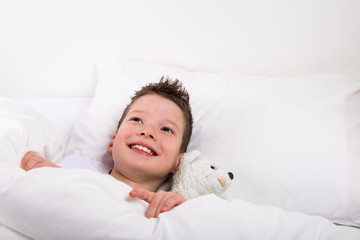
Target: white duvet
{"type": "Point", "coordinates": [51, 203]}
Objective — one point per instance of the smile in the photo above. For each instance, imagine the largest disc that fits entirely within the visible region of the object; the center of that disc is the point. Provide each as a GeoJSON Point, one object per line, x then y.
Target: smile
{"type": "Point", "coordinates": [142, 148]}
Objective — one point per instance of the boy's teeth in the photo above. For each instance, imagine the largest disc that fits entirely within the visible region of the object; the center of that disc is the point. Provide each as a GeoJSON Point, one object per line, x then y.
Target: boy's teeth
{"type": "Point", "coordinates": [142, 148]}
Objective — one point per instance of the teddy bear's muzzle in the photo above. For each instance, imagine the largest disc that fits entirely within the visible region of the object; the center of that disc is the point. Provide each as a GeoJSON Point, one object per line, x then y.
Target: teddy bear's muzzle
{"type": "Point", "coordinates": [223, 181]}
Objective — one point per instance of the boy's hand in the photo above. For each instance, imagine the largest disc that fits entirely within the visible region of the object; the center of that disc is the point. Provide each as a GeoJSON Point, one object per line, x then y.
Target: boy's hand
{"type": "Point", "coordinates": [31, 160]}
{"type": "Point", "coordinates": [159, 202]}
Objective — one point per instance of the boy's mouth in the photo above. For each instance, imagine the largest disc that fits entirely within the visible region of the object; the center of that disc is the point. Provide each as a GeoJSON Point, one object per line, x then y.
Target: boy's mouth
{"type": "Point", "coordinates": [144, 149]}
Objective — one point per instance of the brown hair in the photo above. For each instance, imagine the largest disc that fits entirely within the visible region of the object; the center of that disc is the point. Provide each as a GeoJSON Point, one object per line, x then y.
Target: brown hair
{"type": "Point", "coordinates": [175, 92]}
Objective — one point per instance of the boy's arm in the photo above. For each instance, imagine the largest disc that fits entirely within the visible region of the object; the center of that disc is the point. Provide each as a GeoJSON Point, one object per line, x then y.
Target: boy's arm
{"type": "Point", "coordinates": [31, 160]}
{"type": "Point", "coordinates": [159, 202]}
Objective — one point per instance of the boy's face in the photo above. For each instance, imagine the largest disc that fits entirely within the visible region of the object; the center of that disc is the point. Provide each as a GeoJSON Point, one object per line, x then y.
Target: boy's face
{"type": "Point", "coordinates": [146, 146]}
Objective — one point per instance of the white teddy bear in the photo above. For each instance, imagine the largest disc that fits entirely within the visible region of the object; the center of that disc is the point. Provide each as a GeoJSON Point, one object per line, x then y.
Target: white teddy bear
{"type": "Point", "coordinates": [197, 176]}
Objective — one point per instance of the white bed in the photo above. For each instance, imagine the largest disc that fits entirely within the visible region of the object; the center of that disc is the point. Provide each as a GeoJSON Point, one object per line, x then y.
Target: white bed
{"type": "Point", "coordinates": [275, 93]}
{"type": "Point", "coordinates": [292, 143]}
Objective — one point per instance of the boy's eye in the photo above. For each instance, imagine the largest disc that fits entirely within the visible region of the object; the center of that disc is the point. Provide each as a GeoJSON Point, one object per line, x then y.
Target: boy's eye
{"type": "Point", "coordinates": [136, 119]}
{"type": "Point", "coordinates": [166, 129]}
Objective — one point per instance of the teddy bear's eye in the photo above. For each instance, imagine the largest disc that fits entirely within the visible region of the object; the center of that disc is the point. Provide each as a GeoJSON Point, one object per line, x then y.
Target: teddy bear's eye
{"type": "Point", "coordinates": [212, 167]}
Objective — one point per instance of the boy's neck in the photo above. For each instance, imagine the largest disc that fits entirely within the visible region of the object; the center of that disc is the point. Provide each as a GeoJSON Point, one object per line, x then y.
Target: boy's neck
{"type": "Point", "coordinates": [151, 186]}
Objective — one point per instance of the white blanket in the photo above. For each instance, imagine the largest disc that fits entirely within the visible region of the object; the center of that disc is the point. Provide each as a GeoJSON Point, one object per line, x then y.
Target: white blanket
{"type": "Point", "coordinates": [51, 203]}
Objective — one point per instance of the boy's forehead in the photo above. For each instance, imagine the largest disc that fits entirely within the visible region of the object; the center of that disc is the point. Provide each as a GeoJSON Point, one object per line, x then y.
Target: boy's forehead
{"type": "Point", "coordinates": [151, 100]}
{"type": "Point", "coordinates": [145, 102]}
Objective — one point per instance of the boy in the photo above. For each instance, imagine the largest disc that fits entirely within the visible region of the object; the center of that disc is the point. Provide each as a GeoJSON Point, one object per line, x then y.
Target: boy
{"type": "Point", "coordinates": [151, 138]}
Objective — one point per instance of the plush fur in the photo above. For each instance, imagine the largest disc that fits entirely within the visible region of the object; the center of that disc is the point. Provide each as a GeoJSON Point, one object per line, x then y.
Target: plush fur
{"type": "Point", "coordinates": [197, 176]}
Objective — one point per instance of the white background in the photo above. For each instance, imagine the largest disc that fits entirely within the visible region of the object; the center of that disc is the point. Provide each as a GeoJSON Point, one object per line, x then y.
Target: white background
{"type": "Point", "coordinates": [49, 48]}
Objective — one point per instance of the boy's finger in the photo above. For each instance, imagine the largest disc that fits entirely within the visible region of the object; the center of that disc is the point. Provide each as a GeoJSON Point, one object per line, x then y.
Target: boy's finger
{"type": "Point", "coordinates": [156, 204]}
{"type": "Point", "coordinates": [172, 201]}
{"type": "Point", "coordinates": [25, 160]}
{"type": "Point", "coordinates": [44, 163]}
{"type": "Point", "coordinates": [142, 193]}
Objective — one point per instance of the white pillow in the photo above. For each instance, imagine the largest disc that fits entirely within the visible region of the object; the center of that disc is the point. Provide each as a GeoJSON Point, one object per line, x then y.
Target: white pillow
{"type": "Point", "coordinates": [23, 129]}
{"type": "Point", "coordinates": [63, 116]}
{"type": "Point", "coordinates": [284, 138]}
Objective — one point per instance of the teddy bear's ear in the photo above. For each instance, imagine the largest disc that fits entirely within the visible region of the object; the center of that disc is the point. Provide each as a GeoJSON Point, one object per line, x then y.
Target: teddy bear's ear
{"type": "Point", "coordinates": [190, 156]}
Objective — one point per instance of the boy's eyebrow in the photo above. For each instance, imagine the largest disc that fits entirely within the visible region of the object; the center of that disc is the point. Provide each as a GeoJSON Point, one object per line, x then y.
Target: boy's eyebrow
{"type": "Point", "coordinates": [167, 120]}
{"type": "Point", "coordinates": [134, 111]}
{"type": "Point", "coordinates": [176, 126]}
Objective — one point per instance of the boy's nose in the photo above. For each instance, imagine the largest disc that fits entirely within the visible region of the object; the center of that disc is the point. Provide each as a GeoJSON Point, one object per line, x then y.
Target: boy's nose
{"type": "Point", "coordinates": [148, 134]}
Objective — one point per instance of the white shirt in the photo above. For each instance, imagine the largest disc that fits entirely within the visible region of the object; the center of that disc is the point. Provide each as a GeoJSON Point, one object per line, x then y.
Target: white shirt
{"type": "Point", "coordinates": [83, 163]}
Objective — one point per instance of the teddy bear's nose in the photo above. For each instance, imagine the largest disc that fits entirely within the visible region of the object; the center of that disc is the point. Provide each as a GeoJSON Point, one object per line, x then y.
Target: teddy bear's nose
{"type": "Point", "coordinates": [231, 175]}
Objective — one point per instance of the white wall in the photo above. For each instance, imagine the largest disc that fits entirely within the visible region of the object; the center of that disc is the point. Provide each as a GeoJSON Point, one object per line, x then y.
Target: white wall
{"type": "Point", "coordinates": [49, 47]}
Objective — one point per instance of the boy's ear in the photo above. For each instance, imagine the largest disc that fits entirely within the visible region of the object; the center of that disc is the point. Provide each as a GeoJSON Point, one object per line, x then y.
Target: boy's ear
{"type": "Point", "coordinates": [178, 160]}
{"type": "Point", "coordinates": [110, 146]}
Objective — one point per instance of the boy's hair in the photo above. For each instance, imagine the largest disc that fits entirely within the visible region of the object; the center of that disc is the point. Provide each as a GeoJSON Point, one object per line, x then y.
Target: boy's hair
{"type": "Point", "coordinates": [175, 92]}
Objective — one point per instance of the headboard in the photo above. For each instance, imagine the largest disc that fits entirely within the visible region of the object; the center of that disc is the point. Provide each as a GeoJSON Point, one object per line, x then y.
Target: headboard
{"type": "Point", "coordinates": [48, 48]}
